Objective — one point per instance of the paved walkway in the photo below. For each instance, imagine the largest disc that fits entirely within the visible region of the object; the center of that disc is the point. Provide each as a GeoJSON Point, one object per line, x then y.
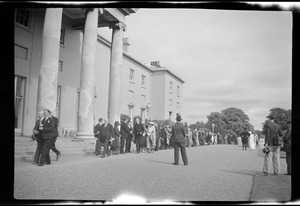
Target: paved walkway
{"type": "Point", "coordinates": [214, 173]}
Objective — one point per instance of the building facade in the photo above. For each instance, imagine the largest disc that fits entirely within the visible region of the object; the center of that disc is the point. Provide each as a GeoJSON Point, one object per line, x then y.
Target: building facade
{"type": "Point", "coordinates": [63, 64]}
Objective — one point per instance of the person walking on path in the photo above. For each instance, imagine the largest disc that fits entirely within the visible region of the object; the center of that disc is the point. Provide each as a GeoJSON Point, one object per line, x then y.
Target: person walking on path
{"type": "Point", "coordinates": [272, 131]}
{"type": "Point", "coordinates": [55, 135]}
{"type": "Point", "coordinates": [251, 141]}
{"type": "Point", "coordinates": [287, 142]}
{"type": "Point", "coordinates": [46, 128]}
{"type": "Point", "coordinates": [97, 133]}
{"type": "Point", "coordinates": [38, 136]}
{"type": "Point", "coordinates": [245, 137]}
{"type": "Point", "coordinates": [178, 133]}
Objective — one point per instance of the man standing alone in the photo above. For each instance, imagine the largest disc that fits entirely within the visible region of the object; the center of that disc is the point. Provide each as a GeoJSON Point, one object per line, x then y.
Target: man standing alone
{"type": "Point", "coordinates": [178, 133]}
{"type": "Point", "coordinates": [272, 142]}
{"type": "Point", "coordinates": [245, 136]}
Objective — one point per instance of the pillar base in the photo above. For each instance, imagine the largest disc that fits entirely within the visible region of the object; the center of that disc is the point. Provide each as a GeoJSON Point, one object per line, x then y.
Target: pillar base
{"type": "Point", "coordinates": [85, 136]}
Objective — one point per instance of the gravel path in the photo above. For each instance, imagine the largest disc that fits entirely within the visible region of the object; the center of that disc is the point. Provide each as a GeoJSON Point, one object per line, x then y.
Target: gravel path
{"type": "Point", "coordinates": [214, 173]}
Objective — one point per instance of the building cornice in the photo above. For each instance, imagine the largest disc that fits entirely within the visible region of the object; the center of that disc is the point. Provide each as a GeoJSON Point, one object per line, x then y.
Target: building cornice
{"type": "Point", "coordinates": [168, 71]}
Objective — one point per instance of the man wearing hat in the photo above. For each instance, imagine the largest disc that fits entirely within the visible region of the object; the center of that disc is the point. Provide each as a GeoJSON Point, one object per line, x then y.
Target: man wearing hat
{"type": "Point", "coordinates": [287, 140]}
{"type": "Point", "coordinates": [178, 133]}
{"type": "Point", "coordinates": [273, 132]}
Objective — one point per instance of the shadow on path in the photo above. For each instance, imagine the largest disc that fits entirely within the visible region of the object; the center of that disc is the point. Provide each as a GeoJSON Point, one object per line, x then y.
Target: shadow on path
{"type": "Point", "coordinates": [162, 162]}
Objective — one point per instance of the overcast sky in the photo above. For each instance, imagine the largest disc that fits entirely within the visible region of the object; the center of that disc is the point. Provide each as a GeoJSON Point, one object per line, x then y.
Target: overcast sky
{"type": "Point", "coordinates": [239, 59]}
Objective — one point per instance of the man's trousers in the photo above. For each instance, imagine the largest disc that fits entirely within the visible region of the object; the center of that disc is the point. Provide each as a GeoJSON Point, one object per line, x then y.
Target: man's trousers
{"type": "Point", "coordinates": [181, 146]}
{"type": "Point", "coordinates": [272, 157]}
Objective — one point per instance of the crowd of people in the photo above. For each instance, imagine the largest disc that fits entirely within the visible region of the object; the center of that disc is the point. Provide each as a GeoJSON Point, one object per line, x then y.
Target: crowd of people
{"type": "Point", "coordinates": [116, 139]}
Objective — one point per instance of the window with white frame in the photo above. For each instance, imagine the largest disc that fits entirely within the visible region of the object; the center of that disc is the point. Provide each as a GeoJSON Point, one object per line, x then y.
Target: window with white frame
{"type": "Point", "coordinates": [131, 75]}
{"type": "Point", "coordinates": [143, 97]}
{"type": "Point", "coordinates": [144, 81]}
{"type": "Point", "coordinates": [178, 105]}
{"type": "Point", "coordinates": [21, 52]}
{"type": "Point", "coordinates": [58, 101]}
{"type": "Point", "coordinates": [60, 66]}
{"type": "Point", "coordinates": [130, 111]}
{"type": "Point", "coordinates": [131, 94]}
{"type": "Point", "coordinates": [62, 36]}
{"type": "Point", "coordinates": [170, 102]}
{"type": "Point", "coordinates": [171, 87]}
{"type": "Point", "coordinates": [178, 91]}
{"type": "Point", "coordinates": [22, 17]}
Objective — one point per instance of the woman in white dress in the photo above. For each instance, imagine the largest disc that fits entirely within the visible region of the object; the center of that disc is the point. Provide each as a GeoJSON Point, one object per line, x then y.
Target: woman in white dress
{"type": "Point", "coordinates": [251, 141]}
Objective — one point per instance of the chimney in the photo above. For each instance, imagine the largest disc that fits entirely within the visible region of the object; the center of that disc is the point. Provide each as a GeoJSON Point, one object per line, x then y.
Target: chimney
{"type": "Point", "coordinates": [125, 44]}
{"type": "Point", "coordinates": [155, 63]}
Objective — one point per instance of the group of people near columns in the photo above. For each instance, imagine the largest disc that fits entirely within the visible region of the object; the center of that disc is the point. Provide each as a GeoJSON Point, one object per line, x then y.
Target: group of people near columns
{"type": "Point", "coordinates": [45, 132]}
{"type": "Point", "coordinates": [116, 139]}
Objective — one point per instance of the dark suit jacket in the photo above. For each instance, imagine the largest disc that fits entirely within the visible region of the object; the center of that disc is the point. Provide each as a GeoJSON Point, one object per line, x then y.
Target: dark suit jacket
{"type": "Point", "coordinates": [48, 128]}
{"type": "Point", "coordinates": [125, 131]}
{"type": "Point", "coordinates": [245, 135]}
{"type": "Point", "coordinates": [138, 129]}
{"type": "Point", "coordinates": [36, 127]}
{"type": "Point", "coordinates": [107, 132]}
{"type": "Point", "coordinates": [272, 132]}
{"type": "Point", "coordinates": [55, 130]}
{"type": "Point", "coordinates": [178, 131]}
{"type": "Point", "coordinates": [97, 130]}
{"type": "Point", "coordinates": [287, 139]}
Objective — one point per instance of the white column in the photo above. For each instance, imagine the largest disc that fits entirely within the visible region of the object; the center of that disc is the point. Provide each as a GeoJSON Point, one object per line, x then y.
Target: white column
{"type": "Point", "coordinates": [47, 87]}
{"type": "Point", "coordinates": [86, 95]}
{"type": "Point", "coordinates": [115, 76]}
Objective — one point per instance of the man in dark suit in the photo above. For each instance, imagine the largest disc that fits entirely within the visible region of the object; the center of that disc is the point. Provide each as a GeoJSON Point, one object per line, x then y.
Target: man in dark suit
{"type": "Point", "coordinates": [55, 135]}
{"type": "Point", "coordinates": [125, 132]}
{"type": "Point", "coordinates": [272, 131]}
{"type": "Point", "coordinates": [106, 135]}
{"type": "Point", "coordinates": [245, 136]}
{"type": "Point", "coordinates": [178, 133]}
{"type": "Point", "coordinates": [128, 140]}
{"type": "Point", "coordinates": [287, 140]}
{"type": "Point", "coordinates": [46, 128]}
{"type": "Point", "coordinates": [138, 130]}
{"type": "Point", "coordinates": [97, 133]}
{"type": "Point", "coordinates": [38, 136]}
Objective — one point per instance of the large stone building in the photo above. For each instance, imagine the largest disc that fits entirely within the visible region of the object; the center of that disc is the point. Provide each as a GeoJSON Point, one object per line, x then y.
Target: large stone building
{"type": "Point", "coordinates": [62, 63]}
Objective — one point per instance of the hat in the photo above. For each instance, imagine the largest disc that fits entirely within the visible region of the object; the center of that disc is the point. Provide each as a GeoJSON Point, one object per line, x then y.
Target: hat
{"type": "Point", "coordinates": [151, 122]}
{"type": "Point", "coordinates": [117, 123]}
{"type": "Point", "coordinates": [178, 117]}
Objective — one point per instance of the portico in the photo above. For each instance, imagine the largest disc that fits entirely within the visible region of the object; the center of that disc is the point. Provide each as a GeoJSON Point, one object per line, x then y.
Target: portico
{"type": "Point", "coordinates": [87, 20]}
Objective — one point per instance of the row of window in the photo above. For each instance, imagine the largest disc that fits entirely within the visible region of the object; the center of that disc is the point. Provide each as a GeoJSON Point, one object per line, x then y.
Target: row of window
{"type": "Point", "coordinates": [171, 103]}
{"type": "Point", "coordinates": [23, 18]}
{"type": "Point", "coordinates": [171, 89]}
{"type": "Point", "coordinates": [143, 82]}
{"type": "Point", "coordinates": [132, 78]}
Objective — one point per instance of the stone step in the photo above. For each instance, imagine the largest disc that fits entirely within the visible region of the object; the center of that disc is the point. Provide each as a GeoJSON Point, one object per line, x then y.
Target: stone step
{"type": "Point", "coordinates": [25, 149]}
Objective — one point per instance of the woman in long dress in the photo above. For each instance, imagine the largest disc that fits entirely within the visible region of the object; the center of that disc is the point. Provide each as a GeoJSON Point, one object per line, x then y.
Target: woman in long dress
{"type": "Point", "coordinates": [251, 141]}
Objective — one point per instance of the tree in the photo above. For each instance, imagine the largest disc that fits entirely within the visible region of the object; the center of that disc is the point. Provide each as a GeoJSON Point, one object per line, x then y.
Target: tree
{"type": "Point", "coordinates": [231, 120]}
{"type": "Point", "coordinates": [281, 116]}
